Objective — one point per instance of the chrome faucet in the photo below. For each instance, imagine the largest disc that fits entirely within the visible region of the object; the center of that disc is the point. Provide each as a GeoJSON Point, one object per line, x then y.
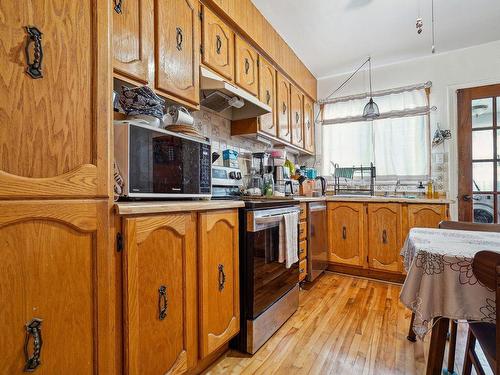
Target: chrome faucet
{"type": "Point", "coordinates": [398, 184]}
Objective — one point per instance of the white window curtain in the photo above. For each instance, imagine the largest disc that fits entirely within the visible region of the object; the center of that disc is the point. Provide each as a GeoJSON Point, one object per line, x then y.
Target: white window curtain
{"type": "Point", "coordinates": [397, 144]}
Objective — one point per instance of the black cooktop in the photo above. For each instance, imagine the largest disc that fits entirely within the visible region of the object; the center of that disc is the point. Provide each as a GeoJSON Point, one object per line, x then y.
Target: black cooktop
{"type": "Point", "coordinates": [258, 202]}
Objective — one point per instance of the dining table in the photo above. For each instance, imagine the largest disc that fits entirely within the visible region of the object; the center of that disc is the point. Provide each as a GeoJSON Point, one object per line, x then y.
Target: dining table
{"type": "Point", "coordinates": [440, 284]}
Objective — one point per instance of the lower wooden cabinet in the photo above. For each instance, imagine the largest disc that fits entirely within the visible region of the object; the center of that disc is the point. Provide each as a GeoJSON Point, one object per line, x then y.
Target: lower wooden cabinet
{"type": "Point", "coordinates": [54, 288]}
{"type": "Point", "coordinates": [384, 237]}
{"type": "Point", "coordinates": [345, 233]}
{"type": "Point", "coordinates": [218, 279]}
{"type": "Point", "coordinates": [366, 238]}
{"type": "Point", "coordinates": [159, 286]}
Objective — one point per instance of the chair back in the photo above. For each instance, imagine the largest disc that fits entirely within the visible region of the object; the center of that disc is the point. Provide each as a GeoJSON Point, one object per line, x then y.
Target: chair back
{"type": "Point", "coordinates": [462, 225]}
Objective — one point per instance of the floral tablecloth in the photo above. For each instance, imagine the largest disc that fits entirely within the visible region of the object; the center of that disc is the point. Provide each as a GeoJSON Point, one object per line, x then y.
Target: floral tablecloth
{"type": "Point", "coordinates": [440, 281]}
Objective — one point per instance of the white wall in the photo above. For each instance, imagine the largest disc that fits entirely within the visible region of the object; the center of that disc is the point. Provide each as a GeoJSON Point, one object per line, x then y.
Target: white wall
{"type": "Point", "coordinates": [474, 66]}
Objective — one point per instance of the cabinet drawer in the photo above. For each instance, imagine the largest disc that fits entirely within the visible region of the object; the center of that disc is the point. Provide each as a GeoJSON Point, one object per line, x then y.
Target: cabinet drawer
{"type": "Point", "coordinates": [302, 269]}
{"type": "Point", "coordinates": [302, 230]}
{"type": "Point", "coordinates": [302, 249]}
{"type": "Point", "coordinates": [303, 211]}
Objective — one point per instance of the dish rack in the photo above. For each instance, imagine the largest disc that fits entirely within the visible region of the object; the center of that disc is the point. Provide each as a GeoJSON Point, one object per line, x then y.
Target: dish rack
{"type": "Point", "coordinates": [355, 180]}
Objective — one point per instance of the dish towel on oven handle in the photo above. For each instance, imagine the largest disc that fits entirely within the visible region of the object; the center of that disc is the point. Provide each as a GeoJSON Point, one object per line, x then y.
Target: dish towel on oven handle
{"type": "Point", "coordinates": [289, 242]}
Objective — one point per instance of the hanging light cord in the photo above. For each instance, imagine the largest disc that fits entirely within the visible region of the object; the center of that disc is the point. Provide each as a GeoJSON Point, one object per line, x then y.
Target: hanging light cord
{"type": "Point", "coordinates": [370, 74]}
{"type": "Point", "coordinates": [368, 60]}
{"type": "Point", "coordinates": [433, 30]}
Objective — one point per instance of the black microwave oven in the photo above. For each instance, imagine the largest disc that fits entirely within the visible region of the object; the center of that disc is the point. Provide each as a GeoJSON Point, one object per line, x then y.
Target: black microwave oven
{"type": "Point", "coordinates": [156, 163]}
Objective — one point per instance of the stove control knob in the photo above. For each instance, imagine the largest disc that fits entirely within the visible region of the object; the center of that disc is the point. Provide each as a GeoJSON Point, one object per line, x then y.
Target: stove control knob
{"type": "Point", "coordinates": [238, 176]}
{"type": "Point", "coordinates": [232, 175]}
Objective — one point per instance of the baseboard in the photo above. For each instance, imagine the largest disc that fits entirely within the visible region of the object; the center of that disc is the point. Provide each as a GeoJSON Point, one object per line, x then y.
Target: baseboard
{"type": "Point", "coordinates": [365, 272]}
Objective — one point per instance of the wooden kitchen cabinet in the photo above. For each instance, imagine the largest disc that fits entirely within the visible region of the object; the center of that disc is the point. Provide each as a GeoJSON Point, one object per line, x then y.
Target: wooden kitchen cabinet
{"type": "Point", "coordinates": [218, 279]}
{"type": "Point", "coordinates": [160, 299]}
{"type": "Point", "coordinates": [218, 45]}
{"type": "Point", "coordinates": [385, 236]}
{"type": "Point", "coordinates": [297, 116]}
{"type": "Point", "coordinates": [55, 68]}
{"type": "Point", "coordinates": [55, 288]}
{"type": "Point", "coordinates": [426, 215]}
{"type": "Point", "coordinates": [283, 108]}
{"type": "Point", "coordinates": [346, 233]}
{"type": "Point", "coordinates": [133, 37]}
{"type": "Point", "coordinates": [267, 95]}
{"type": "Point", "coordinates": [309, 125]}
{"type": "Point", "coordinates": [177, 49]}
{"type": "Point", "coordinates": [247, 71]}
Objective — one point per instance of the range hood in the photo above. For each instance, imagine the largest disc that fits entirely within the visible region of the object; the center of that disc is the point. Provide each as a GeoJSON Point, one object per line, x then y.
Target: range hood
{"type": "Point", "coordinates": [227, 100]}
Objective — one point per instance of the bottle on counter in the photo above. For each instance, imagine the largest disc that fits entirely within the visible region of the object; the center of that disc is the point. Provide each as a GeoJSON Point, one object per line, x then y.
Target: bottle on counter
{"type": "Point", "coordinates": [268, 183]}
{"type": "Point", "coordinates": [430, 189]}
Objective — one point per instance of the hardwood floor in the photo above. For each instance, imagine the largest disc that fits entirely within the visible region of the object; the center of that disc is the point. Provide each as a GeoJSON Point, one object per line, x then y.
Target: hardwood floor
{"type": "Point", "coordinates": [344, 325]}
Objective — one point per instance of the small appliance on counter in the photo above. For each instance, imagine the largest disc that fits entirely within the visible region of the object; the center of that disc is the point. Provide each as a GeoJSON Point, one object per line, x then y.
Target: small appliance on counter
{"type": "Point", "coordinates": [226, 183]}
{"type": "Point", "coordinates": [157, 163]}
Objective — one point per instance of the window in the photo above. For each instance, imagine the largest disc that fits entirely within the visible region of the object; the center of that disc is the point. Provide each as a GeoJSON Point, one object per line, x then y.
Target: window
{"type": "Point", "coordinates": [397, 143]}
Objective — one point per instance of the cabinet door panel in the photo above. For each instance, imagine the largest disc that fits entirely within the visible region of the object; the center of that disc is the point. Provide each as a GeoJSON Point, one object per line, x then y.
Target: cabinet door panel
{"type": "Point", "coordinates": [246, 66]}
{"type": "Point", "coordinates": [218, 45]}
{"type": "Point", "coordinates": [219, 279]}
{"type": "Point", "coordinates": [346, 232]}
{"type": "Point", "coordinates": [52, 143]}
{"type": "Point", "coordinates": [309, 125]}
{"type": "Point", "coordinates": [267, 94]}
{"type": "Point", "coordinates": [425, 216]}
{"type": "Point", "coordinates": [55, 268]}
{"type": "Point", "coordinates": [297, 117]}
{"type": "Point", "coordinates": [177, 49]}
{"type": "Point", "coordinates": [283, 108]}
{"type": "Point", "coordinates": [160, 294]}
{"type": "Point", "coordinates": [384, 233]}
{"type": "Point", "coordinates": [133, 39]}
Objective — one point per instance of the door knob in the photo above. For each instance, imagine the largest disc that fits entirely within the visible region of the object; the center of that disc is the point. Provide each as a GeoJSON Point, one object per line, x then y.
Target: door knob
{"type": "Point", "coordinates": [467, 198]}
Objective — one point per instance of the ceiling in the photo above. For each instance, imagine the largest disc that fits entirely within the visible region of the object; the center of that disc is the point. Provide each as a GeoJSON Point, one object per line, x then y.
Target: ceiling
{"type": "Point", "coordinates": [334, 36]}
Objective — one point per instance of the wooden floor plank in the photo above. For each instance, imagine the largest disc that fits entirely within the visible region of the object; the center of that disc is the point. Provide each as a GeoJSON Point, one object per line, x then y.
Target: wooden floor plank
{"type": "Point", "coordinates": [344, 325]}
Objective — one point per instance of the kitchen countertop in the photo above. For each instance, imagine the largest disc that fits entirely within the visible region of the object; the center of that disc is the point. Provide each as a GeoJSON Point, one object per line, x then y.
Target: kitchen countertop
{"type": "Point", "coordinates": [374, 199]}
{"type": "Point", "coordinates": [156, 207]}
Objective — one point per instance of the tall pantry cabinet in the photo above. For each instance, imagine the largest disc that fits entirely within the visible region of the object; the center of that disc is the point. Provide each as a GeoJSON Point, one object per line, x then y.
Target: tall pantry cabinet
{"type": "Point", "coordinates": [54, 186]}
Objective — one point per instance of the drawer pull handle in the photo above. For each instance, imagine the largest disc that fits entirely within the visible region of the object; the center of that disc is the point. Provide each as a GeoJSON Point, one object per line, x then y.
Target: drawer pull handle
{"type": "Point", "coordinates": [222, 278]}
{"type": "Point", "coordinates": [179, 38]}
{"type": "Point", "coordinates": [33, 328]}
{"type": "Point", "coordinates": [384, 236]}
{"type": "Point", "coordinates": [34, 68]}
{"type": "Point", "coordinates": [118, 6]}
{"type": "Point", "coordinates": [218, 45]}
{"type": "Point", "coordinates": [247, 66]}
{"type": "Point", "coordinates": [162, 302]}
{"type": "Point", "coordinates": [344, 233]}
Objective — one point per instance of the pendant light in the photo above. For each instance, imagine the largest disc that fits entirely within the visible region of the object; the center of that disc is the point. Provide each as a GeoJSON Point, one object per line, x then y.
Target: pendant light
{"type": "Point", "coordinates": [371, 111]}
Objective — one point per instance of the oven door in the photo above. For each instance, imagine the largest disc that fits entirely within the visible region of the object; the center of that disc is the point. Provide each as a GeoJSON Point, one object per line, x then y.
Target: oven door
{"type": "Point", "coordinates": [268, 279]}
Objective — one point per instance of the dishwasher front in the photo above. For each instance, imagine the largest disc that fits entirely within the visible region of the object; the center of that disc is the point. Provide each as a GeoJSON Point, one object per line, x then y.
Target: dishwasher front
{"type": "Point", "coordinates": [317, 257]}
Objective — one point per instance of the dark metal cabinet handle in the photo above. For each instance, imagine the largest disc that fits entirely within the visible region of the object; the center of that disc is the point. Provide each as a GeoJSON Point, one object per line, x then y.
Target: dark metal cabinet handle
{"type": "Point", "coordinates": [218, 45]}
{"type": "Point", "coordinates": [162, 302]}
{"type": "Point", "coordinates": [268, 97]}
{"type": "Point", "coordinates": [247, 66]}
{"type": "Point", "coordinates": [222, 277]}
{"type": "Point", "coordinates": [33, 329]}
{"type": "Point", "coordinates": [308, 124]}
{"type": "Point", "coordinates": [118, 6]}
{"type": "Point", "coordinates": [384, 236]}
{"type": "Point", "coordinates": [179, 38]}
{"type": "Point", "coordinates": [297, 118]}
{"type": "Point", "coordinates": [284, 108]}
{"type": "Point", "coordinates": [34, 68]}
{"type": "Point", "coordinates": [344, 233]}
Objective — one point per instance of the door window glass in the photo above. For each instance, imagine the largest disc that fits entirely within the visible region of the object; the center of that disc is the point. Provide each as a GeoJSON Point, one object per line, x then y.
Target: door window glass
{"type": "Point", "coordinates": [482, 144]}
{"type": "Point", "coordinates": [482, 177]}
{"type": "Point", "coordinates": [482, 113]}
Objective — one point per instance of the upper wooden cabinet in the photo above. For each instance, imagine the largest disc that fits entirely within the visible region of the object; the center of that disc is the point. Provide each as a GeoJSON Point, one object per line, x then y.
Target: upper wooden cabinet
{"type": "Point", "coordinates": [218, 279]}
{"type": "Point", "coordinates": [297, 116]}
{"type": "Point", "coordinates": [133, 33]}
{"type": "Point", "coordinates": [55, 80]}
{"type": "Point", "coordinates": [177, 49]}
{"type": "Point", "coordinates": [267, 95]}
{"type": "Point", "coordinates": [55, 288]}
{"type": "Point", "coordinates": [218, 45]}
{"type": "Point", "coordinates": [346, 233]}
{"type": "Point", "coordinates": [160, 299]}
{"type": "Point", "coordinates": [283, 108]}
{"type": "Point", "coordinates": [309, 125]}
{"type": "Point", "coordinates": [247, 71]}
{"type": "Point", "coordinates": [384, 236]}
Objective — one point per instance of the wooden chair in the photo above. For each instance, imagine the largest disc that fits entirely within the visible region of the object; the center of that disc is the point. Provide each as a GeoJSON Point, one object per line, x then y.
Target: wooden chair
{"type": "Point", "coordinates": [455, 225]}
{"type": "Point", "coordinates": [486, 268]}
